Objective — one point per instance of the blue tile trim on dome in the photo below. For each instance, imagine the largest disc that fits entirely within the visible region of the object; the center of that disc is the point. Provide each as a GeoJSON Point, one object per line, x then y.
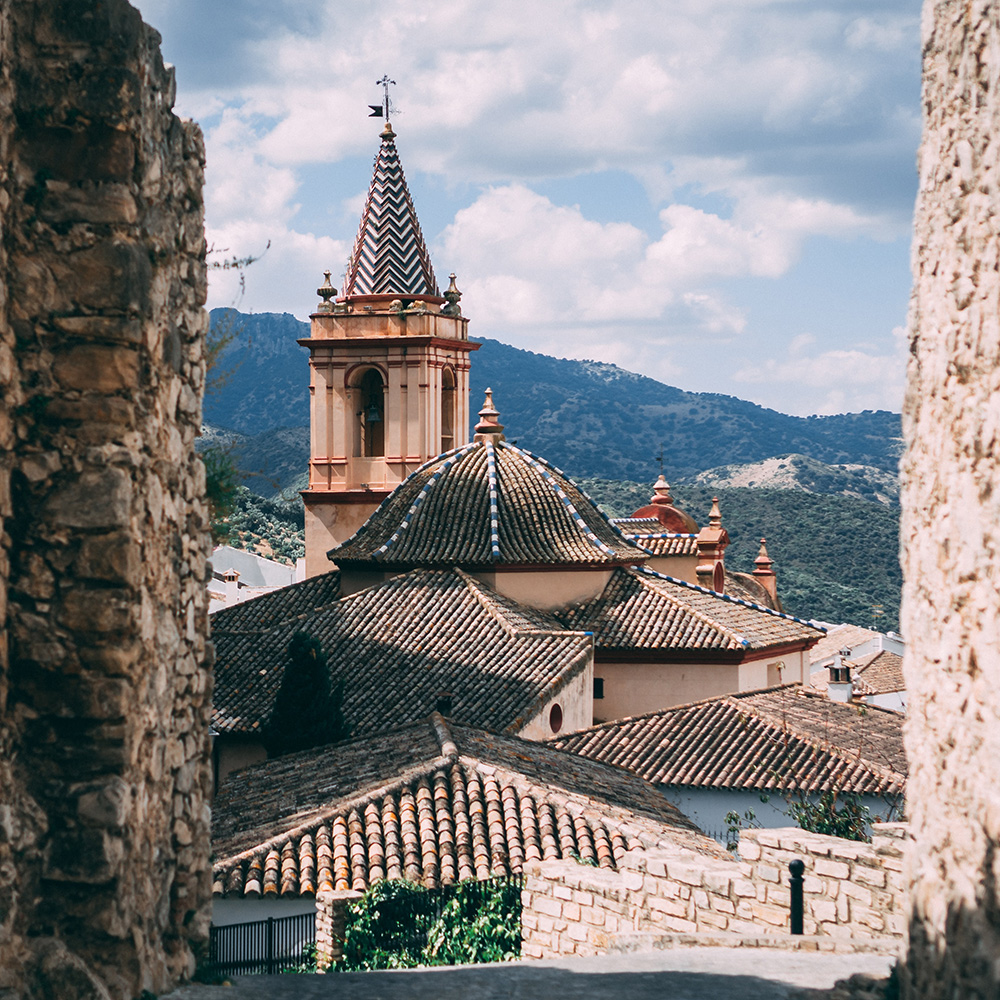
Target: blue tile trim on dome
{"type": "Point", "coordinates": [415, 472]}
{"type": "Point", "coordinates": [453, 457]}
{"type": "Point", "coordinates": [659, 534]}
{"type": "Point", "coordinates": [727, 597]}
{"type": "Point", "coordinates": [567, 503]}
{"type": "Point", "coordinates": [555, 469]}
{"type": "Point", "coordinates": [491, 473]}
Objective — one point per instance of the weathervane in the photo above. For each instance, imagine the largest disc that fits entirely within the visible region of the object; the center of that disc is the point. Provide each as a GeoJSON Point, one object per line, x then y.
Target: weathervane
{"type": "Point", "coordinates": [659, 458]}
{"type": "Point", "coordinates": [382, 110]}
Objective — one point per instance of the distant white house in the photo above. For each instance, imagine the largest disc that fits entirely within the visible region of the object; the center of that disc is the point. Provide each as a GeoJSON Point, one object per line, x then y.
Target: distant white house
{"type": "Point", "coordinates": [857, 664]}
{"type": "Point", "coordinates": [238, 575]}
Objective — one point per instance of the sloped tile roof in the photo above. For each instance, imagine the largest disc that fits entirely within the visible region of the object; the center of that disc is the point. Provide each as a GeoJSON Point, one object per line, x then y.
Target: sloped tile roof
{"type": "Point", "coordinates": [435, 803]}
{"type": "Point", "coordinates": [389, 256]}
{"type": "Point", "coordinates": [665, 543]}
{"type": "Point", "coordinates": [640, 609]}
{"type": "Point", "coordinates": [840, 637]}
{"type": "Point", "coordinates": [781, 739]}
{"type": "Point", "coordinates": [880, 673]}
{"type": "Point", "coordinates": [279, 606]}
{"type": "Point", "coordinates": [398, 646]}
{"type": "Point", "coordinates": [487, 505]}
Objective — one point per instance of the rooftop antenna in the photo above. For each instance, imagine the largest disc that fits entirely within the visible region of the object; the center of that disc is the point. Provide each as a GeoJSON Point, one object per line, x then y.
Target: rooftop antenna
{"type": "Point", "coordinates": [382, 110]}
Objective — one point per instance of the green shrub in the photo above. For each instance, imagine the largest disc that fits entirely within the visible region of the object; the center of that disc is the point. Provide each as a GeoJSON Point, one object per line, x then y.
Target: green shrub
{"type": "Point", "coordinates": [851, 820]}
{"type": "Point", "coordinates": [400, 925]}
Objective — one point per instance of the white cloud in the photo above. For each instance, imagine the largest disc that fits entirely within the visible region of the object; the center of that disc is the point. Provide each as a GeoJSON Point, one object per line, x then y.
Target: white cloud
{"type": "Point", "coordinates": [832, 381]}
{"type": "Point", "coordinates": [754, 126]}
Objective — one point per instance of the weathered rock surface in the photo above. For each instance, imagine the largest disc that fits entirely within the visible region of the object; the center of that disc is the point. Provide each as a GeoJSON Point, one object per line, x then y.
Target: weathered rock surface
{"type": "Point", "coordinates": [104, 687]}
{"type": "Point", "coordinates": [951, 513]}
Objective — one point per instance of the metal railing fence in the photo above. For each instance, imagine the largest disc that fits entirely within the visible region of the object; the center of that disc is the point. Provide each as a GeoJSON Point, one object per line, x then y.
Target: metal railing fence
{"type": "Point", "coordinates": [262, 947]}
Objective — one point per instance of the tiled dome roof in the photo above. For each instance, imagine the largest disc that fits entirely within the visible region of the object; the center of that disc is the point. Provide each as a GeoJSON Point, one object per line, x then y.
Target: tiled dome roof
{"type": "Point", "coordinates": [486, 504]}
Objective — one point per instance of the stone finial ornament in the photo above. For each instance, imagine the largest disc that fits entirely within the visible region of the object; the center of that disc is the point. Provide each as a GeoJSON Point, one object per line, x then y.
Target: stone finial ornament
{"type": "Point", "coordinates": [326, 291]}
{"type": "Point", "coordinates": [453, 295]}
{"type": "Point", "coordinates": [715, 515]}
{"type": "Point", "coordinates": [661, 491]}
{"type": "Point", "coordinates": [763, 562]}
{"type": "Point", "coordinates": [489, 427]}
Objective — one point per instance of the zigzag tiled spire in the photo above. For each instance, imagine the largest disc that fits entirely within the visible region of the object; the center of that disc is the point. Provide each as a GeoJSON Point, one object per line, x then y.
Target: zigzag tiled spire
{"type": "Point", "coordinates": [389, 256]}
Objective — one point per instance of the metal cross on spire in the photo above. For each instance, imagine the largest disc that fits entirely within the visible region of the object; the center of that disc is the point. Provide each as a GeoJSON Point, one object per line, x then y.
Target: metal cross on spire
{"type": "Point", "coordinates": [382, 110]}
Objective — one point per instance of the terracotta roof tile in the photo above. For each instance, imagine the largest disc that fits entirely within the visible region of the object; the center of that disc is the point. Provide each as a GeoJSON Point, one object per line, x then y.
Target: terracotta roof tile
{"type": "Point", "coordinates": [880, 673]}
{"type": "Point", "coordinates": [398, 646]}
{"type": "Point", "coordinates": [279, 606]}
{"type": "Point", "coordinates": [778, 739]}
{"type": "Point", "coordinates": [664, 543]}
{"type": "Point", "coordinates": [433, 803]}
{"type": "Point", "coordinates": [640, 609]}
{"type": "Point", "coordinates": [840, 637]}
{"type": "Point", "coordinates": [484, 505]}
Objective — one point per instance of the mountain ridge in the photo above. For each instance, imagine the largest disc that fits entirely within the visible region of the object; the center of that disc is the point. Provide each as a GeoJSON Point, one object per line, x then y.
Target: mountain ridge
{"type": "Point", "coordinates": [590, 418]}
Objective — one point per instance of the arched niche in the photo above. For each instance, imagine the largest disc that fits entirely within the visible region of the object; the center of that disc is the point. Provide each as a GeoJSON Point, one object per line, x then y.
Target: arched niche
{"type": "Point", "coordinates": [369, 415]}
{"type": "Point", "coordinates": [449, 404]}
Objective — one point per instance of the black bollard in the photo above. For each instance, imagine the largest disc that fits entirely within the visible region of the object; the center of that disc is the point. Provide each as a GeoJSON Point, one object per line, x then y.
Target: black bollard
{"type": "Point", "coordinates": [796, 868]}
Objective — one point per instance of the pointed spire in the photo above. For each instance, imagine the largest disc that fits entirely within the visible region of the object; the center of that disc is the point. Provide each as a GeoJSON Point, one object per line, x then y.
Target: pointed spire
{"type": "Point", "coordinates": [489, 426]}
{"type": "Point", "coordinates": [715, 515]}
{"type": "Point", "coordinates": [763, 562]}
{"type": "Point", "coordinates": [389, 256]}
{"type": "Point", "coordinates": [764, 574]}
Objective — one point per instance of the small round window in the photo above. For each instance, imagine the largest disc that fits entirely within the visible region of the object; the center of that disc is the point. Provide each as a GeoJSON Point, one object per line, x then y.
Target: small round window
{"type": "Point", "coordinates": [555, 718]}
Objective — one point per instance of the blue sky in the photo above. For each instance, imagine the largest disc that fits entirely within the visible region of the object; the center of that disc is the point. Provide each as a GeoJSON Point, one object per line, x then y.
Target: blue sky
{"type": "Point", "coordinates": [716, 193]}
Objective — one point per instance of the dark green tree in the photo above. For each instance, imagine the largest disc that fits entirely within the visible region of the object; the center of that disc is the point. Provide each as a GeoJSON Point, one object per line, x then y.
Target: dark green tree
{"type": "Point", "coordinates": [308, 707]}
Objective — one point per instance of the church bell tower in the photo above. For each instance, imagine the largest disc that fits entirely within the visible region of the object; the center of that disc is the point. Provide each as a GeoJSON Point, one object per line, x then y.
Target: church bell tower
{"type": "Point", "coordinates": [389, 367]}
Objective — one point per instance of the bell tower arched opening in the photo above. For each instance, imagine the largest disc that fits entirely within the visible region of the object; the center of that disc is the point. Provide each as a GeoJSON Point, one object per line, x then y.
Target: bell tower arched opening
{"type": "Point", "coordinates": [449, 401]}
{"type": "Point", "coordinates": [369, 423]}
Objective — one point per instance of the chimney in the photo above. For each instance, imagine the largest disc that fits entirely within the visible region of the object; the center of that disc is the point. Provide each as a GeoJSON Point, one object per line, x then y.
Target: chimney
{"type": "Point", "coordinates": [841, 687]}
{"type": "Point", "coordinates": [231, 578]}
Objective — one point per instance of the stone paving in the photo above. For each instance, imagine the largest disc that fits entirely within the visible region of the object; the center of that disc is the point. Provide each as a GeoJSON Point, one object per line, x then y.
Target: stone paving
{"type": "Point", "coordinates": [675, 974]}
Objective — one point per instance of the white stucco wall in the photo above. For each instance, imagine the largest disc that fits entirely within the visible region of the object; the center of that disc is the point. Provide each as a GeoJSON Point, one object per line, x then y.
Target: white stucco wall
{"type": "Point", "coordinates": [241, 911]}
{"type": "Point", "coordinates": [637, 688]}
{"type": "Point", "coordinates": [577, 703]}
{"type": "Point", "coordinates": [707, 807]}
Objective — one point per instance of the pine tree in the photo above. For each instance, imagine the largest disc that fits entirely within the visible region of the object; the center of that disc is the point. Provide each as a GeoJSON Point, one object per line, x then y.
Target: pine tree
{"type": "Point", "coordinates": [308, 708]}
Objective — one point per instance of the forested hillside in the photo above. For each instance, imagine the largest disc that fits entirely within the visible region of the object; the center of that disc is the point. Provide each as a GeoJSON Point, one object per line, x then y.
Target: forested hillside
{"type": "Point", "coordinates": [589, 418]}
{"type": "Point", "coordinates": [836, 557]}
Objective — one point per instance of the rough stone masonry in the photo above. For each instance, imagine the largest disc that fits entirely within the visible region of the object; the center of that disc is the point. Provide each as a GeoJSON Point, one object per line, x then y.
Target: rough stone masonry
{"type": "Point", "coordinates": [104, 687]}
{"type": "Point", "coordinates": [951, 513]}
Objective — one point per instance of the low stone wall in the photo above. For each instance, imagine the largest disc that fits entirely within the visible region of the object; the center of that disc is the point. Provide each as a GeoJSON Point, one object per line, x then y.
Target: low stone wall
{"type": "Point", "coordinates": [852, 890]}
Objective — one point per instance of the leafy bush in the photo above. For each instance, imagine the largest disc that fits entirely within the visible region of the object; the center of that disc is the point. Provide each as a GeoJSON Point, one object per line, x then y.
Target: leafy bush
{"type": "Point", "coordinates": [852, 820]}
{"type": "Point", "coordinates": [400, 925]}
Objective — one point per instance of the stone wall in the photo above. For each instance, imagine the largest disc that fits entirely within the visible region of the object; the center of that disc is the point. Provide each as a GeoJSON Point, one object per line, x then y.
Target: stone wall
{"type": "Point", "coordinates": [104, 688]}
{"type": "Point", "coordinates": [852, 890]}
{"type": "Point", "coordinates": [951, 513]}
{"type": "Point", "coordinates": [331, 922]}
